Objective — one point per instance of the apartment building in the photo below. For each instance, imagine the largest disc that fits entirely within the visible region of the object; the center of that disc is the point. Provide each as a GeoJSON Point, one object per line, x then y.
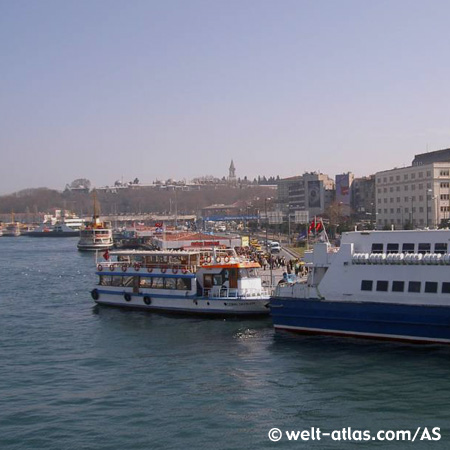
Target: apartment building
{"type": "Point", "coordinates": [417, 195]}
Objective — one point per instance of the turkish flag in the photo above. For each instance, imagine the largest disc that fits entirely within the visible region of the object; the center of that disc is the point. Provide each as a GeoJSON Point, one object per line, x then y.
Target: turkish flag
{"type": "Point", "coordinates": [106, 255]}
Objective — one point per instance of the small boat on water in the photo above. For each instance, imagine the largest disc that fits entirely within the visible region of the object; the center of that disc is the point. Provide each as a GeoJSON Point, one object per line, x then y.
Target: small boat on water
{"type": "Point", "coordinates": [12, 229]}
{"type": "Point", "coordinates": [391, 285]}
{"type": "Point", "coordinates": [56, 230]}
{"type": "Point", "coordinates": [97, 234]}
{"type": "Point", "coordinates": [215, 282]}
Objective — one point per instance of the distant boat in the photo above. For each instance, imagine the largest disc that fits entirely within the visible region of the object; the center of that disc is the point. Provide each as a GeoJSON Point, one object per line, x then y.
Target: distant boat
{"type": "Point", "coordinates": [12, 229]}
{"type": "Point", "coordinates": [95, 235]}
{"type": "Point", "coordinates": [57, 230]}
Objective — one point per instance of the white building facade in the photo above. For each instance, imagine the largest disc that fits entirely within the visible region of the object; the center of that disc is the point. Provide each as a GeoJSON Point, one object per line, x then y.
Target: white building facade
{"type": "Point", "coordinates": [416, 196]}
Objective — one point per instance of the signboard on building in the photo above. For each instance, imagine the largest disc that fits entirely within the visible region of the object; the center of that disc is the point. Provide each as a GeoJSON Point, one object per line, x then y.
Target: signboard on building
{"type": "Point", "coordinates": [314, 194]}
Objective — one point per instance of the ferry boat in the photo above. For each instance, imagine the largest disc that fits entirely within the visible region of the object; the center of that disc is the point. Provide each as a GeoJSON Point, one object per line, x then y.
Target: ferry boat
{"type": "Point", "coordinates": [391, 285]}
{"type": "Point", "coordinates": [217, 282]}
{"type": "Point", "coordinates": [56, 230]}
{"type": "Point", "coordinates": [96, 235]}
{"type": "Point", "coordinates": [12, 229]}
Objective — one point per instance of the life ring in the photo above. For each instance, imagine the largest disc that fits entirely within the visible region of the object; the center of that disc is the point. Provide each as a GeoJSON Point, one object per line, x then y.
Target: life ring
{"type": "Point", "coordinates": [218, 259]}
{"type": "Point", "coordinates": [127, 297]}
{"type": "Point", "coordinates": [147, 300]}
{"type": "Point", "coordinates": [184, 270]}
{"type": "Point", "coordinates": [124, 267]}
{"type": "Point", "coordinates": [208, 259]}
{"type": "Point", "coordinates": [175, 270]}
{"type": "Point", "coordinates": [99, 267]}
{"type": "Point", "coordinates": [149, 270]}
{"type": "Point", "coordinates": [137, 266]}
{"type": "Point", "coordinates": [163, 270]}
{"type": "Point", "coordinates": [94, 294]}
{"type": "Point", "coordinates": [111, 267]}
{"type": "Point", "coordinates": [226, 259]}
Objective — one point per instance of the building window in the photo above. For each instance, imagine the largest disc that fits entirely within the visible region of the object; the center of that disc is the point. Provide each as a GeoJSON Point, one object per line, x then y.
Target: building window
{"type": "Point", "coordinates": [431, 287]}
{"type": "Point", "coordinates": [398, 200]}
{"type": "Point", "coordinates": [397, 177]}
{"type": "Point", "coordinates": [413, 176]}
{"type": "Point", "coordinates": [420, 198]}
{"type": "Point", "coordinates": [405, 177]}
{"type": "Point", "coordinates": [398, 286]}
{"type": "Point", "coordinates": [428, 173]}
{"type": "Point", "coordinates": [420, 186]}
{"type": "Point", "coordinates": [382, 286]}
{"type": "Point", "coordinates": [406, 187]}
{"type": "Point", "coordinates": [413, 187]}
{"type": "Point", "coordinates": [385, 190]}
{"type": "Point", "coordinates": [421, 209]}
{"type": "Point", "coordinates": [414, 286]}
{"type": "Point", "coordinates": [444, 173]}
{"type": "Point", "coordinates": [366, 285]}
{"type": "Point", "coordinates": [398, 189]}
{"type": "Point", "coordinates": [420, 174]}
{"type": "Point", "coordinates": [384, 179]}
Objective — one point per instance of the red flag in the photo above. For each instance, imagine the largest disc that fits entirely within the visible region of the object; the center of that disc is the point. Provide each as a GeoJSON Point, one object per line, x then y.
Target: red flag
{"type": "Point", "coordinates": [106, 255]}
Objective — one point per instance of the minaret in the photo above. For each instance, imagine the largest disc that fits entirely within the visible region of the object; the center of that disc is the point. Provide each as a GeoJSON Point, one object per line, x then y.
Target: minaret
{"type": "Point", "coordinates": [232, 173]}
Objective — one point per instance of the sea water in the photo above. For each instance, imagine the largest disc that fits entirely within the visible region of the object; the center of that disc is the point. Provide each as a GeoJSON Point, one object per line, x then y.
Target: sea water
{"type": "Point", "coordinates": [77, 376]}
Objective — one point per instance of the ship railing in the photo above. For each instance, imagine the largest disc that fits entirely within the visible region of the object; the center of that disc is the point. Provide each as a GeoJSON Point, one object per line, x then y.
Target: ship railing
{"type": "Point", "coordinates": [137, 267]}
{"type": "Point", "coordinates": [233, 293]}
{"type": "Point", "coordinates": [401, 258]}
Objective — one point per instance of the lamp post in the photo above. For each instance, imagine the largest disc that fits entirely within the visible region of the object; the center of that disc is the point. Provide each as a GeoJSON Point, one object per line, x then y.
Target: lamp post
{"type": "Point", "coordinates": [428, 191]}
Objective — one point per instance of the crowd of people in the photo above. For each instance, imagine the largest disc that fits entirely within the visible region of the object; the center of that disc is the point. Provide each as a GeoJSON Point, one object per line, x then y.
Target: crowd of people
{"type": "Point", "coordinates": [270, 261]}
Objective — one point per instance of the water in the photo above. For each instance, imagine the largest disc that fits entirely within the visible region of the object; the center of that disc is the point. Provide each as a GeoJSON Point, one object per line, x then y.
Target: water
{"type": "Point", "coordinates": [77, 376]}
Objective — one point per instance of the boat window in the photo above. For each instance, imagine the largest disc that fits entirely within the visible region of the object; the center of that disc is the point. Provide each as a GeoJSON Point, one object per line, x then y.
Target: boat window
{"type": "Point", "coordinates": [408, 248]}
{"type": "Point", "coordinates": [217, 279]}
{"type": "Point", "coordinates": [398, 286]}
{"type": "Point", "coordinates": [445, 288]}
{"type": "Point", "coordinates": [184, 284]}
{"type": "Point", "coordinates": [105, 280]}
{"type": "Point", "coordinates": [377, 248]}
{"type": "Point", "coordinates": [366, 285]}
{"type": "Point", "coordinates": [431, 287]}
{"type": "Point", "coordinates": [424, 248]}
{"type": "Point", "coordinates": [414, 286]}
{"type": "Point", "coordinates": [170, 283]}
{"type": "Point", "coordinates": [207, 281]}
{"type": "Point", "coordinates": [158, 283]}
{"type": "Point", "coordinates": [128, 281]}
{"type": "Point", "coordinates": [116, 280]}
{"type": "Point", "coordinates": [392, 248]}
{"type": "Point", "coordinates": [440, 248]}
{"type": "Point", "coordinates": [252, 273]}
{"type": "Point", "coordinates": [145, 282]}
{"type": "Point", "coordinates": [382, 285]}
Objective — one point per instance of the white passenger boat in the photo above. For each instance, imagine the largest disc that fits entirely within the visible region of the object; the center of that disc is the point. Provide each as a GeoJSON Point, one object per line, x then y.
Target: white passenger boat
{"type": "Point", "coordinates": [215, 282]}
{"type": "Point", "coordinates": [378, 284]}
{"type": "Point", "coordinates": [95, 235]}
{"type": "Point", "coordinates": [12, 229]}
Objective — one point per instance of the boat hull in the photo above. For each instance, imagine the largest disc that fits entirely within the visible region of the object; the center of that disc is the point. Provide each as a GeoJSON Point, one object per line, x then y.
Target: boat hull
{"type": "Point", "coordinates": [412, 323]}
{"type": "Point", "coordinates": [185, 304]}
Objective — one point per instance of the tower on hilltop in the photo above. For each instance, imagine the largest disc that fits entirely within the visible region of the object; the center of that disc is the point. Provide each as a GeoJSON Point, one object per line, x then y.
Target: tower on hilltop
{"type": "Point", "coordinates": [232, 173]}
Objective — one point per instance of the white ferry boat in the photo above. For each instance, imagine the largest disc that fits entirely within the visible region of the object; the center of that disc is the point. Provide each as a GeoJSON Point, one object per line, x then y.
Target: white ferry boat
{"type": "Point", "coordinates": [378, 284]}
{"type": "Point", "coordinates": [95, 235]}
{"type": "Point", "coordinates": [217, 282]}
{"type": "Point", "coordinates": [56, 230]}
{"type": "Point", "coordinates": [12, 229]}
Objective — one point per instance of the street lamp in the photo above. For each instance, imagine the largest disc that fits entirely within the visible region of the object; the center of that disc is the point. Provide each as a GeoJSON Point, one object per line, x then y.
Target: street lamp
{"type": "Point", "coordinates": [428, 190]}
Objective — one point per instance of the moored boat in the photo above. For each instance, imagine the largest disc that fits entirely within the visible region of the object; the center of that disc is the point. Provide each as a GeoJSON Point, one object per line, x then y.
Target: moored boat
{"type": "Point", "coordinates": [56, 230]}
{"type": "Point", "coordinates": [379, 284]}
{"type": "Point", "coordinates": [217, 282]}
{"type": "Point", "coordinates": [97, 234]}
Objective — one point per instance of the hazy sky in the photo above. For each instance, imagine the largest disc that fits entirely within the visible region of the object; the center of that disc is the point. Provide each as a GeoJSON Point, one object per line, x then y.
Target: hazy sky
{"type": "Point", "coordinates": [176, 89]}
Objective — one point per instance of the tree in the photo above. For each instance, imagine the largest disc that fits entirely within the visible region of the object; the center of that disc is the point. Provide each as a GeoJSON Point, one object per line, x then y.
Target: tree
{"type": "Point", "coordinates": [80, 183]}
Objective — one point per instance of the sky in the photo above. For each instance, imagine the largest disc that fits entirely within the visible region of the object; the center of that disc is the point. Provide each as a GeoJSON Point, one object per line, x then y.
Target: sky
{"type": "Point", "coordinates": [110, 90]}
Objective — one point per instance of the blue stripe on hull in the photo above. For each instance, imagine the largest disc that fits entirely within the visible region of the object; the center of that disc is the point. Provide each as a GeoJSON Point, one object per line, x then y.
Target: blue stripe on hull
{"type": "Point", "coordinates": [373, 320]}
